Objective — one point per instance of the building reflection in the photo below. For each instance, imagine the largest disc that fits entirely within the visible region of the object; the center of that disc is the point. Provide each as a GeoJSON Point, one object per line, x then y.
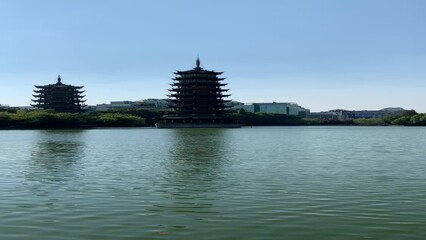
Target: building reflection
{"type": "Point", "coordinates": [202, 147]}
{"type": "Point", "coordinates": [197, 155]}
{"type": "Point", "coordinates": [55, 155]}
{"type": "Point", "coordinates": [194, 173]}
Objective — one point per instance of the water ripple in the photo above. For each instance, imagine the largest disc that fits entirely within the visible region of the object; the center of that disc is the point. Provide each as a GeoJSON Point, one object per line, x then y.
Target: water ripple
{"type": "Point", "coordinates": [249, 183]}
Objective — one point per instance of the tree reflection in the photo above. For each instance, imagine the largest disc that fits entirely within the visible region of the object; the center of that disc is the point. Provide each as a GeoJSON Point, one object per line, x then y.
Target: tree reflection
{"type": "Point", "coordinates": [55, 154]}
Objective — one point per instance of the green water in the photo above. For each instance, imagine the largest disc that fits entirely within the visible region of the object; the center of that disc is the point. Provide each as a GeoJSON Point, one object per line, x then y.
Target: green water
{"type": "Point", "coordinates": [248, 183]}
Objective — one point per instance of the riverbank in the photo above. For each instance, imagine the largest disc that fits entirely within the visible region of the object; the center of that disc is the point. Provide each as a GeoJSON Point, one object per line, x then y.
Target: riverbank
{"type": "Point", "coordinates": [45, 119]}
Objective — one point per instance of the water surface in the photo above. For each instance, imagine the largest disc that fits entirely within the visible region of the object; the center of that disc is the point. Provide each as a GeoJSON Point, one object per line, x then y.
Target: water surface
{"type": "Point", "coordinates": [249, 183]}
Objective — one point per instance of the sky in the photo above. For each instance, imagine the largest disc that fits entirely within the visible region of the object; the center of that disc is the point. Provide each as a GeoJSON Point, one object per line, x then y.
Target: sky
{"type": "Point", "coordinates": [321, 54]}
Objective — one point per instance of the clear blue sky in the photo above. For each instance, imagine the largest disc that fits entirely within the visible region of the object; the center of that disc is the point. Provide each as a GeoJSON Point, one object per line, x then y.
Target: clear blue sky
{"type": "Point", "coordinates": [328, 54]}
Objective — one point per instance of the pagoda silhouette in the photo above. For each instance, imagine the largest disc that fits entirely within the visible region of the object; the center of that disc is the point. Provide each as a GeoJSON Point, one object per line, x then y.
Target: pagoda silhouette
{"type": "Point", "coordinates": [59, 97]}
{"type": "Point", "coordinates": [197, 101]}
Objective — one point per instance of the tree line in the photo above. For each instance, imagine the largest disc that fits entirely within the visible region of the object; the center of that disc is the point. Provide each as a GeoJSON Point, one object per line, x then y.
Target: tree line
{"type": "Point", "coordinates": [35, 119]}
{"type": "Point", "coordinates": [38, 119]}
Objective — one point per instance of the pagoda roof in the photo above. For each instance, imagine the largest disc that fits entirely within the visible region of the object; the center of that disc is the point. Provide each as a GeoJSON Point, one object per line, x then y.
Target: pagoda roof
{"type": "Point", "coordinates": [198, 69]}
{"type": "Point", "coordinates": [58, 84]}
{"type": "Point", "coordinates": [56, 102]}
{"type": "Point", "coordinates": [199, 77]}
{"type": "Point", "coordinates": [180, 83]}
{"type": "Point", "coordinates": [196, 88]}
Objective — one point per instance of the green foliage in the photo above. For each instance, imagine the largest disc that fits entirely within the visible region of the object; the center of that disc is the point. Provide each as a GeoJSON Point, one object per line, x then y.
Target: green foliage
{"type": "Point", "coordinates": [143, 118]}
{"type": "Point", "coordinates": [52, 119]}
{"type": "Point", "coordinates": [264, 119]}
{"type": "Point", "coordinates": [39, 119]}
{"type": "Point", "coordinates": [407, 118]}
{"type": "Point", "coordinates": [369, 121]}
{"type": "Point", "coordinates": [120, 120]}
{"type": "Point", "coordinates": [150, 116]}
{"type": "Point", "coordinates": [403, 120]}
{"type": "Point", "coordinates": [4, 119]}
{"type": "Point", "coordinates": [409, 113]}
{"type": "Point", "coordinates": [313, 121]}
{"type": "Point", "coordinates": [418, 120]}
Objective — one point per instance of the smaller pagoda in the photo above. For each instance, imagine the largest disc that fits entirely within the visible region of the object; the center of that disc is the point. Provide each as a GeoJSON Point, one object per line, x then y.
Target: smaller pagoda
{"type": "Point", "coordinates": [198, 100]}
{"type": "Point", "coordinates": [59, 97]}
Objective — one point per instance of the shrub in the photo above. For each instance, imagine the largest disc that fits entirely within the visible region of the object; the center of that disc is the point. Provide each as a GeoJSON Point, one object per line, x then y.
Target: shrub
{"type": "Point", "coordinates": [120, 120]}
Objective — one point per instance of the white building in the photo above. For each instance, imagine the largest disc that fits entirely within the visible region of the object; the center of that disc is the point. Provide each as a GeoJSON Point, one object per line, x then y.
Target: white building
{"type": "Point", "coordinates": [245, 107]}
{"type": "Point", "coordinates": [274, 107]}
{"type": "Point", "coordinates": [151, 103]}
{"type": "Point", "coordinates": [158, 103]}
{"type": "Point", "coordinates": [115, 105]}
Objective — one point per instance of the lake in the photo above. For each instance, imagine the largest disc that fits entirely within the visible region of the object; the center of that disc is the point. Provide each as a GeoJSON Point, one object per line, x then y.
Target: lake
{"type": "Point", "coordinates": [248, 183]}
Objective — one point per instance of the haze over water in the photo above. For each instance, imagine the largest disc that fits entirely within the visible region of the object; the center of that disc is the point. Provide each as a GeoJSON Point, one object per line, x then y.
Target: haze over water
{"type": "Point", "coordinates": [249, 183]}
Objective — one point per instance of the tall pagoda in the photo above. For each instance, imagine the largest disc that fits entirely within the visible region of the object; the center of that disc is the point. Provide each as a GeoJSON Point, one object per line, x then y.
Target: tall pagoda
{"type": "Point", "coordinates": [197, 100]}
{"type": "Point", "coordinates": [60, 97]}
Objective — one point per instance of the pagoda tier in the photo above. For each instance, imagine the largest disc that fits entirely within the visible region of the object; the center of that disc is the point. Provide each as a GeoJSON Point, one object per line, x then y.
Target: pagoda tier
{"type": "Point", "coordinates": [198, 100]}
{"type": "Point", "coordinates": [179, 84]}
{"type": "Point", "coordinates": [200, 78]}
{"type": "Point", "coordinates": [42, 101]}
{"type": "Point", "coordinates": [43, 90]}
{"type": "Point", "coordinates": [184, 95]}
{"type": "Point", "coordinates": [203, 99]}
{"type": "Point", "coordinates": [60, 97]}
{"type": "Point", "coordinates": [196, 89]}
{"type": "Point", "coordinates": [55, 96]}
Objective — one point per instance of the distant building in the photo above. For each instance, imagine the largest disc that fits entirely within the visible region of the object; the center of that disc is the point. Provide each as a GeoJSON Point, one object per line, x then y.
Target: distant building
{"type": "Point", "coordinates": [7, 107]}
{"type": "Point", "coordinates": [233, 103]}
{"type": "Point", "coordinates": [274, 107]}
{"type": "Point", "coordinates": [347, 115]}
{"type": "Point", "coordinates": [60, 97]}
{"type": "Point", "coordinates": [115, 105]}
{"type": "Point", "coordinates": [245, 107]}
{"type": "Point", "coordinates": [324, 116]}
{"type": "Point", "coordinates": [148, 104]}
{"type": "Point", "coordinates": [158, 103]}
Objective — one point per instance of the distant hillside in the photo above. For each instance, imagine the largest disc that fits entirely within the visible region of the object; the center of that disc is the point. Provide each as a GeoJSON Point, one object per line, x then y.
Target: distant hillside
{"type": "Point", "coordinates": [393, 109]}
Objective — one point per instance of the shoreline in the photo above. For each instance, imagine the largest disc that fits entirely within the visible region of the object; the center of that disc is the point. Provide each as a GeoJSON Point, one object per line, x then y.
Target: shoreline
{"type": "Point", "coordinates": [258, 126]}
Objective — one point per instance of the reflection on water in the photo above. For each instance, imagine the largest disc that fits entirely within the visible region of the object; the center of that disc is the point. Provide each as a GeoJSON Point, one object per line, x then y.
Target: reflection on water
{"type": "Point", "coordinates": [193, 173]}
{"type": "Point", "coordinates": [249, 183]}
{"type": "Point", "coordinates": [197, 151]}
{"type": "Point", "coordinates": [55, 154]}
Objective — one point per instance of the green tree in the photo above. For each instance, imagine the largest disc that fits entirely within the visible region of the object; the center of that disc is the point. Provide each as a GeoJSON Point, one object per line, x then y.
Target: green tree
{"type": "Point", "coordinates": [120, 120]}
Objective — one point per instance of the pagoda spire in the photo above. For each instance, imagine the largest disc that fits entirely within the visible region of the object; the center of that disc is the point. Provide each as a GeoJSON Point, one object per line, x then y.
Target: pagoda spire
{"type": "Point", "coordinates": [197, 63]}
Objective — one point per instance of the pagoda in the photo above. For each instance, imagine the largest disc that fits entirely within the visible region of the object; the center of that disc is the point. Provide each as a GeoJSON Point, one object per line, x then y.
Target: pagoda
{"type": "Point", "coordinates": [197, 101]}
{"type": "Point", "coordinates": [59, 97]}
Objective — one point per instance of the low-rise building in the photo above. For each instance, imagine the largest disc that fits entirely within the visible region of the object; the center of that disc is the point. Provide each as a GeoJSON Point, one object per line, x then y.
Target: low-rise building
{"type": "Point", "coordinates": [115, 105]}
{"type": "Point", "coordinates": [347, 115]}
{"type": "Point", "coordinates": [274, 107]}
{"type": "Point", "coordinates": [148, 104]}
{"type": "Point", "coordinates": [329, 116]}
{"type": "Point", "coordinates": [157, 102]}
